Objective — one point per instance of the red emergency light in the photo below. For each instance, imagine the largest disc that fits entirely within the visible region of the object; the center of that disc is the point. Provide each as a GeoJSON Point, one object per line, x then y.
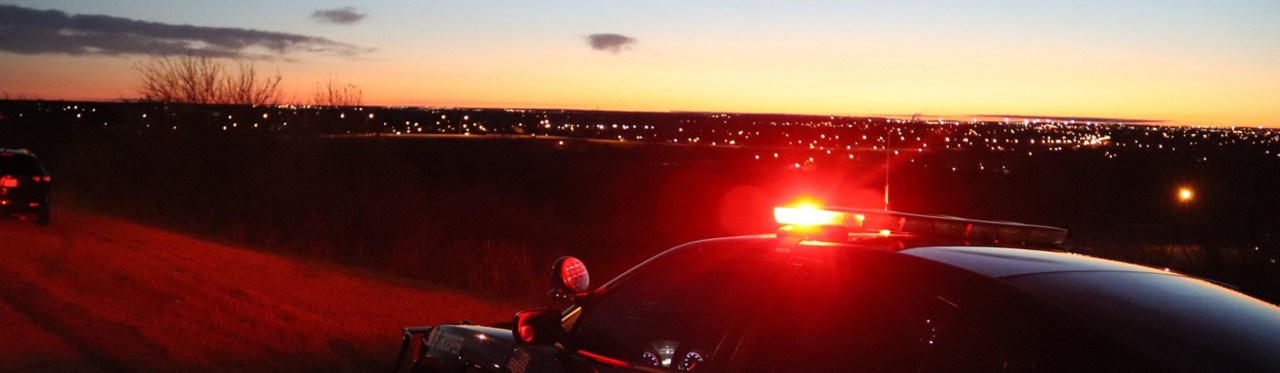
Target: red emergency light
{"type": "Point", "coordinates": [823, 221]}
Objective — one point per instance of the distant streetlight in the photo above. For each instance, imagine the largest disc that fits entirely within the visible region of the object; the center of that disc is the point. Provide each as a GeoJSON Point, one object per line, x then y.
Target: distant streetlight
{"type": "Point", "coordinates": [1185, 194]}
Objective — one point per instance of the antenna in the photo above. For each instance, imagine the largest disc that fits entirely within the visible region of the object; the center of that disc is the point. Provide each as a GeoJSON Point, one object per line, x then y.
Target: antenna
{"type": "Point", "coordinates": [888, 139]}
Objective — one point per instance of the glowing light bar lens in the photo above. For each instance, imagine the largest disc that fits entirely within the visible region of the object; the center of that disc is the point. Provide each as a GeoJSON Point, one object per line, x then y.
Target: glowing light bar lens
{"type": "Point", "coordinates": [887, 223]}
{"type": "Point", "coordinates": [807, 216]}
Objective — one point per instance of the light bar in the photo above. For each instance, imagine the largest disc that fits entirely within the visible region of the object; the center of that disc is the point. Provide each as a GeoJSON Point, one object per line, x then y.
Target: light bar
{"type": "Point", "coordinates": [882, 222]}
{"type": "Point", "coordinates": [807, 216]}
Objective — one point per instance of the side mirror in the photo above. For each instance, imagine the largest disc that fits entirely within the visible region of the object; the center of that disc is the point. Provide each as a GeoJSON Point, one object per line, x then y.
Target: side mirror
{"type": "Point", "coordinates": [569, 278]}
{"type": "Point", "coordinates": [538, 327]}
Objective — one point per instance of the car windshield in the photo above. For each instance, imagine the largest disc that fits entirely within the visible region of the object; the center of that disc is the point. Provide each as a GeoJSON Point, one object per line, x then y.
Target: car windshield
{"type": "Point", "coordinates": [1186, 322]}
{"type": "Point", "coordinates": [19, 165]}
{"type": "Point", "coordinates": [673, 311]}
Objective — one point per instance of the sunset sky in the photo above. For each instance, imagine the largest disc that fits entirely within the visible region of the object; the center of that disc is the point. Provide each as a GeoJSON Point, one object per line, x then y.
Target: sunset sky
{"type": "Point", "coordinates": [1184, 62]}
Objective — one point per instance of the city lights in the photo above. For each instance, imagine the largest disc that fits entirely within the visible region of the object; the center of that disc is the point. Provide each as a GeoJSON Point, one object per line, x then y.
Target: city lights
{"type": "Point", "coordinates": [779, 140]}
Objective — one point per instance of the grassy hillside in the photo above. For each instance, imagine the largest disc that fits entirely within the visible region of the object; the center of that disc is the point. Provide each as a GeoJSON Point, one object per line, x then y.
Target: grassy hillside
{"type": "Point", "coordinates": [489, 213]}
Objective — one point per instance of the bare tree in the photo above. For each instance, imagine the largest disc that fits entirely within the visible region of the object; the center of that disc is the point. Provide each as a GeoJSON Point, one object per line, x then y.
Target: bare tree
{"type": "Point", "coordinates": [331, 92]}
{"type": "Point", "coordinates": [246, 88]}
{"type": "Point", "coordinates": [203, 80]}
{"type": "Point", "coordinates": [188, 79]}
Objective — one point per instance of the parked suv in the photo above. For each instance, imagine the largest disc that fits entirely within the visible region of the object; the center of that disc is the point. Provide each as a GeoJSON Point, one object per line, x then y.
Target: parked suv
{"type": "Point", "coordinates": [24, 186]}
{"type": "Point", "coordinates": [842, 290]}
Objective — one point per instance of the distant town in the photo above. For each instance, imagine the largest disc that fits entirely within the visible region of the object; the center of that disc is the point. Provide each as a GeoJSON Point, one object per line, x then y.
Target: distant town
{"type": "Point", "coordinates": [796, 139]}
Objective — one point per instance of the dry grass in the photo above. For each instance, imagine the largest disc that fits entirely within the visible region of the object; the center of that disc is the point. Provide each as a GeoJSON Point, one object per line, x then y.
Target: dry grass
{"type": "Point", "coordinates": [484, 216]}
{"type": "Point", "coordinates": [488, 213]}
{"type": "Point", "coordinates": [141, 299]}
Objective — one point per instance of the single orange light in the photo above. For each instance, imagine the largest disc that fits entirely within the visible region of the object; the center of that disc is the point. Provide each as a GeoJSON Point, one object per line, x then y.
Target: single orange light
{"type": "Point", "coordinates": [806, 215]}
{"type": "Point", "coordinates": [885, 232]}
{"type": "Point", "coordinates": [1185, 194]}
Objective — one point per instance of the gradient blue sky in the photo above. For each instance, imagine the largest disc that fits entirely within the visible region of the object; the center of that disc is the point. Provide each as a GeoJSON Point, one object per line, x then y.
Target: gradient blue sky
{"type": "Point", "coordinates": [1188, 62]}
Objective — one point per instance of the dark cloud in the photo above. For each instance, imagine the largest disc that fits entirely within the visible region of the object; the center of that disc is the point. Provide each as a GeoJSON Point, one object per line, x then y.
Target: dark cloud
{"type": "Point", "coordinates": [610, 42]}
{"type": "Point", "coordinates": [341, 16]}
{"type": "Point", "coordinates": [31, 31]}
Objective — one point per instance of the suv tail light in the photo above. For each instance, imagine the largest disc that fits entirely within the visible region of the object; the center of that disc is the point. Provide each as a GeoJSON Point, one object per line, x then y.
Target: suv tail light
{"type": "Point", "coordinates": [40, 179]}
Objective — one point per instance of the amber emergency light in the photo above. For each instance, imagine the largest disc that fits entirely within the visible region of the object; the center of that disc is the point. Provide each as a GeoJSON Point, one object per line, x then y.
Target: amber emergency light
{"type": "Point", "coordinates": [827, 223]}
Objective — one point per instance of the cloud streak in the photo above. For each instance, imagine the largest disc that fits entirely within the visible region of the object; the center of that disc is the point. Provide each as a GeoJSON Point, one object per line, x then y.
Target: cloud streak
{"type": "Point", "coordinates": [32, 31]}
{"type": "Point", "coordinates": [613, 43]}
{"type": "Point", "coordinates": [340, 16]}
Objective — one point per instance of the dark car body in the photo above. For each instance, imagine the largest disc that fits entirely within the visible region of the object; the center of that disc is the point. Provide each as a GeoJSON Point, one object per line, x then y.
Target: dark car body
{"type": "Point", "coordinates": [24, 186]}
{"type": "Point", "coordinates": [876, 302]}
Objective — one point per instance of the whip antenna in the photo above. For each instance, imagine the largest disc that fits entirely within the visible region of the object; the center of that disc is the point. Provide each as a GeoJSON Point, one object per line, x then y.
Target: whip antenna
{"type": "Point", "coordinates": [888, 139]}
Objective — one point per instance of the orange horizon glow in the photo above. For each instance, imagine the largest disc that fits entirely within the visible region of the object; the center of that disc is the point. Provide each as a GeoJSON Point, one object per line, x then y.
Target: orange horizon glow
{"type": "Point", "coordinates": [1125, 117]}
{"type": "Point", "coordinates": [638, 85]}
{"type": "Point", "coordinates": [1134, 116]}
{"type": "Point", "coordinates": [653, 97]}
{"type": "Point", "coordinates": [950, 71]}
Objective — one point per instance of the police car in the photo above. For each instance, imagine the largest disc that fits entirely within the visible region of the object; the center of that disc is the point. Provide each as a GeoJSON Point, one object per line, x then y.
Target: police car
{"type": "Point", "coordinates": [866, 290]}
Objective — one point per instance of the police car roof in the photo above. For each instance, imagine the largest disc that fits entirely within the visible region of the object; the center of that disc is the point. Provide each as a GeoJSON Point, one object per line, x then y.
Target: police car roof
{"type": "Point", "coordinates": [989, 261]}
{"type": "Point", "coordinates": [998, 262]}
{"type": "Point", "coordinates": [992, 248]}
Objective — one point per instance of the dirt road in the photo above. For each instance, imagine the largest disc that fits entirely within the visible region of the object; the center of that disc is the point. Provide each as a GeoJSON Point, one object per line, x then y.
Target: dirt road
{"type": "Point", "coordinates": [90, 292]}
